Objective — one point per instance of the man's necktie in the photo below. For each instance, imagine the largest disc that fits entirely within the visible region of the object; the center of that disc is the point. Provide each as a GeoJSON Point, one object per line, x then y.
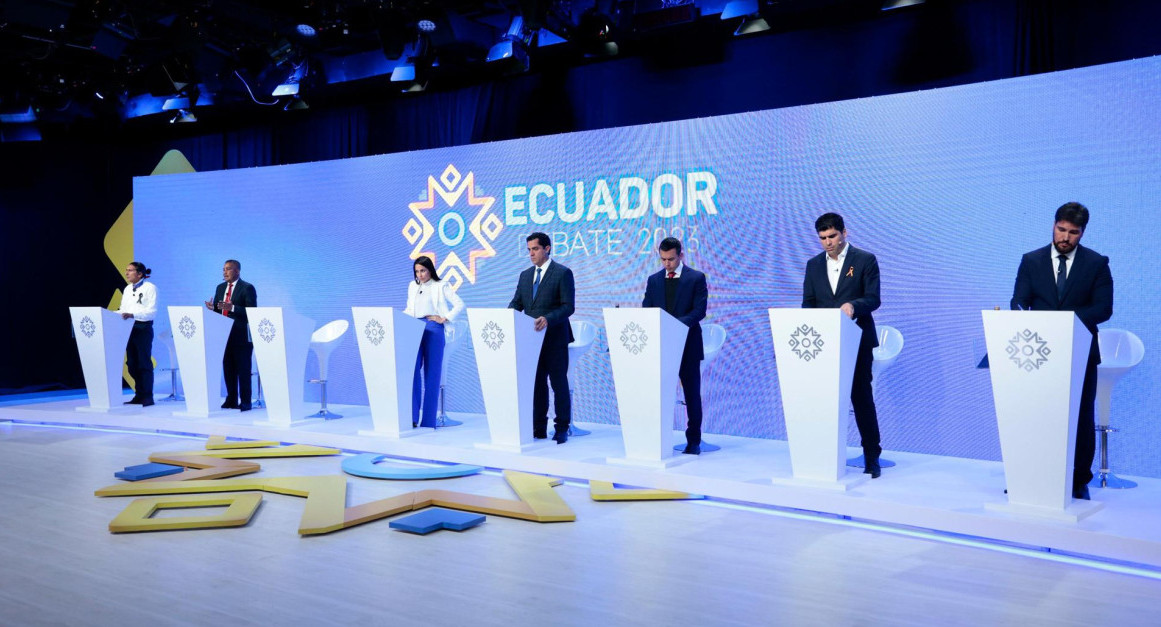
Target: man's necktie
{"type": "Point", "coordinates": [1061, 275]}
{"type": "Point", "coordinates": [229, 293]}
{"type": "Point", "coordinates": [672, 275]}
{"type": "Point", "coordinates": [536, 283]}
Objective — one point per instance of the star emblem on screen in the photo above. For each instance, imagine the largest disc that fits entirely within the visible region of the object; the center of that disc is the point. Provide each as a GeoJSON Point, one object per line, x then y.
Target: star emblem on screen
{"type": "Point", "coordinates": [455, 214]}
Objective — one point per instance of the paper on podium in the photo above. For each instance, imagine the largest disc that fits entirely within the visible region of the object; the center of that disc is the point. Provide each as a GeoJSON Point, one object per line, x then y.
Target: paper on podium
{"type": "Point", "coordinates": [815, 350]}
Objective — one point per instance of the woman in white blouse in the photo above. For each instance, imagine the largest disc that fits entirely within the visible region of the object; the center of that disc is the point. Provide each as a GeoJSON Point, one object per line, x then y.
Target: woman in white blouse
{"type": "Point", "coordinates": [429, 299]}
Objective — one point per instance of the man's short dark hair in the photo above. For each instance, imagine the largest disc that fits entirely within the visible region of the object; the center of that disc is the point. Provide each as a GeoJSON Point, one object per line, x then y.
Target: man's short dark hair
{"type": "Point", "coordinates": [237, 264]}
{"type": "Point", "coordinates": [1073, 212]}
{"type": "Point", "coordinates": [828, 221]}
{"type": "Point", "coordinates": [541, 238]}
{"type": "Point", "coordinates": [670, 243]}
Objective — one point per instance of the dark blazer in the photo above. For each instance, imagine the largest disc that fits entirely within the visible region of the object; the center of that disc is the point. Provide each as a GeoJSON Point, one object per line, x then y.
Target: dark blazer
{"type": "Point", "coordinates": [858, 285]}
{"type": "Point", "coordinates": [555, 300]}
{"type": "Point", "coordinates": [689, 305]}
{"type": "Point", "coordinates": [244, 296]}
{"type": "Point", "coordinates": [1088, 291]}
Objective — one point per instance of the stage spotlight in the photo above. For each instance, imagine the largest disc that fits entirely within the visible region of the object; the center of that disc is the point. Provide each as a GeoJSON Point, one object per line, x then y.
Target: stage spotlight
{"type": "Point", "coordinates": [294, 77]}
{"type": "Point", "coordinates": [295, 104]}
{"type": "Point", "coordinates": [899, 4]}
{"type": "Point", "coordinates": [751, 20]}
{"type": "Point", "coordinates": [596, 34]}
{"type": "Point", "coordinates": [183, 117]}
{"type": "Point", "coordinates": [751, 25]}
{"type": "Point", "coordinates": [511, 52]}
{"type": "Point", "coordinates": [306, 30]}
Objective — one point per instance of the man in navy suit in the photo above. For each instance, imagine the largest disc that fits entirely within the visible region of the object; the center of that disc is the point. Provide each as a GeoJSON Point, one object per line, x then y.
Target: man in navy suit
{"type": "Point", "coordinates": [681, 291]}
{"type": "Point", "coordinates": [846, 278]}
{"type": "Point", "coordinates": [546, 292]}
{"type": "Point", "coordinates": [1064, 276]}
{"type": "Point", "coordinates": [231, 298]}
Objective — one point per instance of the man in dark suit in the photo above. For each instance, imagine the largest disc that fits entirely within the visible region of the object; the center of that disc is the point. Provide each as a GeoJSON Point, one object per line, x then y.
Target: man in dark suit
{"type": "Point", "coordinates": [1064, 276]}
{"type": "Point", "coordinates": [681, 291]}
{"type": "Point", "coordinates": [547, 293]}
{"type": "Point", "coordinates": [231, 298]}
{"type": "Point", "coordinates": [847, 278]}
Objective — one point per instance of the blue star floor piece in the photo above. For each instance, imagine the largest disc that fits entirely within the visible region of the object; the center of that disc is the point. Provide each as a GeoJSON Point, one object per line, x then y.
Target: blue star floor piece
{"type": "Point", "coordinates": [436, 518]}
{"type": "Point", "coordinates": [147, 471]}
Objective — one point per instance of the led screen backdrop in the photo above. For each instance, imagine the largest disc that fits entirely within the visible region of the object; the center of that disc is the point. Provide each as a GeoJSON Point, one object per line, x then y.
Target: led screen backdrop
{"type": "Point", "coordinates": [947, 187]}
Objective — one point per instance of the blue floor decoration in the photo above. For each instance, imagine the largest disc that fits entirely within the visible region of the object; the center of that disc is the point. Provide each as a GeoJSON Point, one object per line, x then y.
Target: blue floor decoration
{"type": "Point", "coordinates": [364, 465]}
{"type": "Point", "coordinates": [147, 471]}
{"type": "Point", "coordinates": [436, 518]}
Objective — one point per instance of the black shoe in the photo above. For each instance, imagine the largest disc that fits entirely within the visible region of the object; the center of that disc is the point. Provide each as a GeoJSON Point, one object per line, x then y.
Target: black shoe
{"type": "Point", "coordinates": [874, 470]}
{"type": "Point", "coordinates": [1081, 493]}
{"type": "Point", "coordinates": [245, 407]}
{"type": "Point", "coordinates": [560, 436]}
{"type": "Point", "coordinates": [229, 405]}
{"type": "Point", "coordinates": [145, 402]}
{"type": "Point", "coordinates": [692, 449]}
{"type": "Point", "coordinates": [133, 401]}
{"type": "Point", "coordinates": [415, 425]}
{"type": "Point", "coordinates": [540, 434]}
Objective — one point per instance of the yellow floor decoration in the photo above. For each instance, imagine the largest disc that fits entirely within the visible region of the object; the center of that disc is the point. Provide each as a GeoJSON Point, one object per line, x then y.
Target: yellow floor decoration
{"type": "Point", "coordinates": [137, 516]}
{"type": "Point", "coordinates": [217, 442]}
{"type": "Point", "coordinates": [202, 467]}
{"type": "Point", "coordinates": [291, 450]}
{"type": "Point", "coordinates": [604, 491]}
{"type": "Point", "coordinates": [325, 510]}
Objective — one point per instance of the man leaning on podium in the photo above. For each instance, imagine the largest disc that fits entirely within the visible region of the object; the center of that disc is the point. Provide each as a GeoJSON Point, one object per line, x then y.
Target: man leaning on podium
{"type": "Point", "coordinates": [1065, 276]}
{"type": "Point", "coordinates": [231, 298]}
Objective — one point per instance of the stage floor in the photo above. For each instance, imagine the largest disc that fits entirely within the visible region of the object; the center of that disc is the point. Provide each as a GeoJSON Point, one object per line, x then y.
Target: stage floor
{"type": "Point", "coordinates": [942, 494]}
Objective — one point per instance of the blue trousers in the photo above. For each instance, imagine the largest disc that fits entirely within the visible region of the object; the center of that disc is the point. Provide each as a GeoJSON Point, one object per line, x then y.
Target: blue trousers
{"type": "Point", "coordinates": [426, 385]}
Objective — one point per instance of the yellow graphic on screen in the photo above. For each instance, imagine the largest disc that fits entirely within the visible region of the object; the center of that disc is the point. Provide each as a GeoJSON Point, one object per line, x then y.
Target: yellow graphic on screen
{"type": "Point", "coordinates": [450, 226]}
{"type": "Point", "coordinates": [119, 239]}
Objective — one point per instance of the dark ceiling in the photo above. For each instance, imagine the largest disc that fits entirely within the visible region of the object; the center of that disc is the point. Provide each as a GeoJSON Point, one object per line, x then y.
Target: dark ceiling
{"type": "Point", "coordinates": [119, 60]}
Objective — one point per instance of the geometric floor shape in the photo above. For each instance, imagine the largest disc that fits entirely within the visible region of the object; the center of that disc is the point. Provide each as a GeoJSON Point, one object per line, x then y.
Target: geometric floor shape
{"type": "Point", "coordinates": [147, 471]}
{"type": "Point", "coordinates": [137, 515]}
{"type": "Point", "coordinates": [216, 442]}
{"type": "Point", "coordinates": [365, 465]}
{"type": "Point", "coordinates": [436, 518]}
{"type": "Point", "coordinates": [605, 491]}
{"type": "Point", "coordinates": [235, 452]}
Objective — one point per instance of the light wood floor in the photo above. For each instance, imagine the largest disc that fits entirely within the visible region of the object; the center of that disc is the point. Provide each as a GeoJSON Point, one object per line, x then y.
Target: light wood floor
{"type": "Point", "coordinates": [663, 563]}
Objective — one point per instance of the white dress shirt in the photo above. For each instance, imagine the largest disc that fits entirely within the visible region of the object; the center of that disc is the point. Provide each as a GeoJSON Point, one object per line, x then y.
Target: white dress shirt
{"type": "Point", "coordinates": [834, 268]}
{"type": "Point", "coordinates": [676, 271]}
{"type": "Point", "coordinates": [139, 299]}
{"type": "Point", "coordinates": [1056, 261]}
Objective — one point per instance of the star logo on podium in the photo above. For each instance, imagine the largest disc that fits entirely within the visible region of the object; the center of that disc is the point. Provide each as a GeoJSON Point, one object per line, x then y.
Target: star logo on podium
{"type": "Point", "coordinates": [88, 327]}
{"type": "Point", "coordinates": [460, 217]}
{"type": "Point", "coordinates": [492, 336]}
{"type": "Point", "coordinates": [806, 342]}
{"type": "Point", "coordinates": [266, 330]}
{"type": "Point", "coordinates": [374, 331]}
{"type": "Point", "coordinates": [634, 338]}
{"type": "Point", "coordinates": [1028, 350]}
{"type": "Point", "coordinates": [187, 327]}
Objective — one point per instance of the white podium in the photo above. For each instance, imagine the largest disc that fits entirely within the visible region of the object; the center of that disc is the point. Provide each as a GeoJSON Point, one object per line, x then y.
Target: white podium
{"type": "Point", "coordinates": [281, 343]}
{"type": "Point", "coordinates": [199, 337]}
{"type": "Point", "coordinates": [1037, 361]}
{"type": "Point", "coordinates": [507, 348]}
{"type": "Point", "coordinates": [388, 345]}
{"type": "Point", "coordinates": [101, 339]}
{"type": "Point", "coordinates": [815, 350]}
{"type": "Point", "coordinates": [645, 347]}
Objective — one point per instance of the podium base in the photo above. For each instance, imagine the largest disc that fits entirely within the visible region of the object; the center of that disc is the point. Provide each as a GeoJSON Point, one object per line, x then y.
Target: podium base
{"type": "Point", "coordinates": [517, 448]}
{"type": "Point", "coordinates": [213, 413]}
{"type": "Point", "coordinates": [844, 483]}
{"type": "Point", "coordinates": [292, 423]}
{"type": "Point", "coordinates": [405, 433]}
{"type": "Point", "coordinates": [1072, 513]}
{"type": "Point", "coordinates": [657, 464]}
{"type": "Point", "coordinates": [123, 409]}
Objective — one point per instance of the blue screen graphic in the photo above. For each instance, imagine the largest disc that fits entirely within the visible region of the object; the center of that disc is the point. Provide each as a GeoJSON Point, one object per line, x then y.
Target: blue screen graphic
{"type": "Point", "coordinates": [947, 187]}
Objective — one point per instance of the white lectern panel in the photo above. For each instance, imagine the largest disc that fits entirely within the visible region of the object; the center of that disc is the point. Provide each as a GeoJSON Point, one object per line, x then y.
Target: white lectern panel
{"type": "Point", "coordinates": [1037, 361]}
{"type": "Point", "coordinates": [645, 346]}
{"type": "Point", "coordinates": [200, 335]}
{"type": "Point", "coordinates": [507, 348]}
{"type": "Point", "coordinates": [388, 346]}
{"type": "Point", "coordinates": [101, 339]}
{"type": "Point", "coordinates": [281, 344]}
{"type": "Point", "coordinates": [815, 350]}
